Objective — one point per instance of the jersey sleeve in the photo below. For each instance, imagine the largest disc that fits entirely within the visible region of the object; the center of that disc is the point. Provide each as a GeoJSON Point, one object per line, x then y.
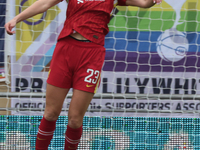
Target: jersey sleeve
{"type": "Point", "coordinates": [122, 3]}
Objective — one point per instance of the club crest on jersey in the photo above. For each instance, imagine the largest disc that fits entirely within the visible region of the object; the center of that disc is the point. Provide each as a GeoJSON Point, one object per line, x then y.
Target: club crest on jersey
{"type": "Point", "coordinates": [79, 1]}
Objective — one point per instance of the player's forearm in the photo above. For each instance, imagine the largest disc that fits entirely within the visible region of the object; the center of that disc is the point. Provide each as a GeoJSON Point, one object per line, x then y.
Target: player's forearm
{"type": "Point", "coordinates": [147, 3]}
{"type": "Point", "coordinates": [38, 7]}
{"type": "Point", "coordinates": [143, 3]}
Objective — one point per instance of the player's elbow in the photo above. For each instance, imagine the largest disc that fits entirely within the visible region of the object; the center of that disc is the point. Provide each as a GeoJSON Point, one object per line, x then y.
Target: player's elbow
{"type": "Point", "coordinates": [141, 3]}
{"type": "Point", "coordinates": [147, 4]}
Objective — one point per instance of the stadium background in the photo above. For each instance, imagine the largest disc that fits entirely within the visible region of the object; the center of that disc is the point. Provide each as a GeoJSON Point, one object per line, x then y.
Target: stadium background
{"type": "Point", "coordinates": [135, 54]}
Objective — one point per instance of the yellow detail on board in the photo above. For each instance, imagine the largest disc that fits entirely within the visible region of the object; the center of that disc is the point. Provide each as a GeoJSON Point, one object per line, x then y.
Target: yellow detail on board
{"type": "Point", "coordinates": [26, 34]}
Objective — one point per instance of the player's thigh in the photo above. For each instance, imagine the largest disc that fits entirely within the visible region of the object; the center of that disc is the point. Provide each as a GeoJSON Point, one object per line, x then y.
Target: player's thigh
{"type": "Point", "coordinates": [55, 97]}
{"type": "Point", "coordinates": [79, 103]}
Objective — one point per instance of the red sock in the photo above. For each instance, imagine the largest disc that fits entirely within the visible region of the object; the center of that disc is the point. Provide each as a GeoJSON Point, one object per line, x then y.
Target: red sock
{"type": "Point", "coordinates": [72, 138]}
{"type": "Point", "coordinates": [45, 134]}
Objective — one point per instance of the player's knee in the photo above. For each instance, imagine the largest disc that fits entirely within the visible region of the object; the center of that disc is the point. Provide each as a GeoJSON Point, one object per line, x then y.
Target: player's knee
{"type": "Point", "coordinates": [75, 121]}
{"type": "Point", "coordinates": [51, 115]}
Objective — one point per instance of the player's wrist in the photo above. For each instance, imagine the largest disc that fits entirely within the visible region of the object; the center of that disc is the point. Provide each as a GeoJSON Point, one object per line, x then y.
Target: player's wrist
{"type": "Point", "coordinates": [16, 19]}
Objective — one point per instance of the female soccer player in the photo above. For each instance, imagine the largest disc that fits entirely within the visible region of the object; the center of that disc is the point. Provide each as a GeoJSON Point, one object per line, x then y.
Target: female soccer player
{"type": "Point", "coordinates": [76, 63]}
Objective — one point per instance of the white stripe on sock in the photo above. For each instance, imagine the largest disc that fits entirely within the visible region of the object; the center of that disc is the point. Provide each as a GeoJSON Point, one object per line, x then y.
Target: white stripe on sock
{"type": "Point", "coordinates": [72, 141]}
{"type": "Point", "coordinates": [46, 132]}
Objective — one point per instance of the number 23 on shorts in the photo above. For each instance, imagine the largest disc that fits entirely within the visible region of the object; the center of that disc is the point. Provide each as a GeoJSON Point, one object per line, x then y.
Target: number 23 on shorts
{"type": "Point", "coordinates": [92, 77]}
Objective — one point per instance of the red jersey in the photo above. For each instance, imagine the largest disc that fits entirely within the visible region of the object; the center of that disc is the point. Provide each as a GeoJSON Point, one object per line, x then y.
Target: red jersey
{"type": "Point", "coordinates": [90, 18]}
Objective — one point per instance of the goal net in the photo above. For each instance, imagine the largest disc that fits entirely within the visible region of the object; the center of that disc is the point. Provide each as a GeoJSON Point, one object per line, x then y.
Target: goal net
{"type": "Point", "coordinates": [150, 82]}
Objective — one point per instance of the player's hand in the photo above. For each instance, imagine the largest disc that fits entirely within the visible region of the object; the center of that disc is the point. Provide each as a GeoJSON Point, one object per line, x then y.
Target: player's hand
{"type": "Point", "coordinates": [9, 26]}
{"type": "Point", "coordinates": [157, 1]}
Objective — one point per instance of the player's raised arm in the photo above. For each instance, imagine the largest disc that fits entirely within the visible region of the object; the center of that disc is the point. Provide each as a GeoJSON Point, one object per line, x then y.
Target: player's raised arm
{"type": "Point", "coordinates": [38, 7]}
{"type": "Point", "coordinates": [142, 3]}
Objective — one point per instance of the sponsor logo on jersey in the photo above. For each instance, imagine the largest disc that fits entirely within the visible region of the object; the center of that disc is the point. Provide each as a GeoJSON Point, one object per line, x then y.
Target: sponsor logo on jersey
{"type": "Point", "coordinates": [79, 1]}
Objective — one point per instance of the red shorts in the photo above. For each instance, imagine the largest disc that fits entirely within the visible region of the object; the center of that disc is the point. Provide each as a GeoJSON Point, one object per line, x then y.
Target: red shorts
{"type": "Point", "coordinates": [76, 64]}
